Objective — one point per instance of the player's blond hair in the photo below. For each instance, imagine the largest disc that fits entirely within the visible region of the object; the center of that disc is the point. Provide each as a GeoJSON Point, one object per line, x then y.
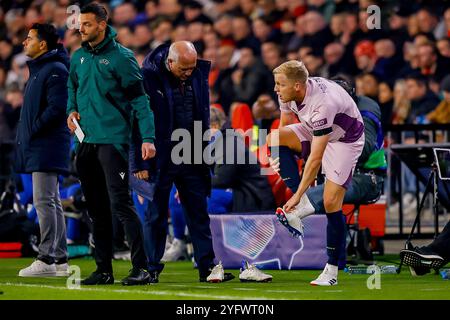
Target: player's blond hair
{"type": "Point", "coordinates": [293, 70]}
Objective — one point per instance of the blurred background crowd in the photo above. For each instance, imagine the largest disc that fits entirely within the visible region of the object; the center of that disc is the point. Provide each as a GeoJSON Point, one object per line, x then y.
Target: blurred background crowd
{"type": "Point", "coordinates": [403, 65]}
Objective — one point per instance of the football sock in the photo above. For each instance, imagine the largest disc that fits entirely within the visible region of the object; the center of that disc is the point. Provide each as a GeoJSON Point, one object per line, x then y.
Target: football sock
{"type": "Point", "coordinates": [335, 236]}
{"type": "Point", "coordinates": [288, 166]}
{"type": "Point", "coordinates": [332, 269]}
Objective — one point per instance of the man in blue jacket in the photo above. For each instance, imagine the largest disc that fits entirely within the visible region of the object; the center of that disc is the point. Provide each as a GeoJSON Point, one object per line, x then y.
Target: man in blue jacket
{"type": "Point", "coordinates": [43, 142]}
{"type": "Point", "coordinates": [177, 84]}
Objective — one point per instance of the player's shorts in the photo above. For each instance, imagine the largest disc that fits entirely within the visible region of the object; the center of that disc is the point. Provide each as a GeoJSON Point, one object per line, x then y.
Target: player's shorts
{"type": "Point", "coordinates": [339, 159]}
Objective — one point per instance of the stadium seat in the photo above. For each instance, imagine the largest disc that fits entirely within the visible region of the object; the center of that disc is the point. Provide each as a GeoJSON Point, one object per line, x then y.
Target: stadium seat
{"type": "Point", "coordinates": [241, 117]}
{"type": "Point", "coordinates": [10, 249]}
{"type": "Point", "coordinates": [366, 225]}
{"type": "Point", "coordinates": [275, 124]}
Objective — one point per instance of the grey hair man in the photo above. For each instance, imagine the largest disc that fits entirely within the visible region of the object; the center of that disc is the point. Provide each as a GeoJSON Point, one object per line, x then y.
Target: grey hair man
{"type": "Point", "coordinates": [177, 83]}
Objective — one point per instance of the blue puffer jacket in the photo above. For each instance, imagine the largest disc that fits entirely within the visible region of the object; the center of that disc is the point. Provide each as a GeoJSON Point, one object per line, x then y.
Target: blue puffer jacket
{"type": "Point", "coordinates": [43, 139]}
{"type": "Point", "coordinates": [156, 84]}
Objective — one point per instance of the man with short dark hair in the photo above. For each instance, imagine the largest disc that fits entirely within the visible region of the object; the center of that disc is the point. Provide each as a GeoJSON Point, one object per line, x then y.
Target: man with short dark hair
{"type": "Point", "coordinates": [43, 144]}
{"type": "Point", "coordinates": [423, 100]}
{"type": "Point", "coordinates": [105, 94]}
{"type": "Point", "coordinates": [431, 63]}
{"type": "Point", "coordinates": [249, 78]}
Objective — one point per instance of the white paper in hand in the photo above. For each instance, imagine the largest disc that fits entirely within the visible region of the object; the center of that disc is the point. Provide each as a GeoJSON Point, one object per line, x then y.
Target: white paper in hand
{"type": "Point", "coordinates": [78, 132]}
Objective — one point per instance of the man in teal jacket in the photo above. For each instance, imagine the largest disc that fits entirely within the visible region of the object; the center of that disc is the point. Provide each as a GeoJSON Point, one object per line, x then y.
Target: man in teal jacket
{"type": "Point", "coordinates": [105, 93]}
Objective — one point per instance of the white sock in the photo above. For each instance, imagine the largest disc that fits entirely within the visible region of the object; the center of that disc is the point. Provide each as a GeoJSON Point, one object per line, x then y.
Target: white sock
{"type": "Point", "coordinates": [332, 269]}
{"type": "Point", "coordinates": [305, 207]}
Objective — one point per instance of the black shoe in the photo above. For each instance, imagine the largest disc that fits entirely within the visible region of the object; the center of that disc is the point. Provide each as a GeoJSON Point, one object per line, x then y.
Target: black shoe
{"type": "Point", "coordinates": [419, 271]}
{"type": "Point", "coordinates": [425, 251]}
{"type": "Point", "coordinates": [98, 278]}
{"type": "Point", "coordinates": [154, 276]}
{"type": "Point", "coordinates": [422, 258]}
{"type": "Point", "coordinates": [136, 277]}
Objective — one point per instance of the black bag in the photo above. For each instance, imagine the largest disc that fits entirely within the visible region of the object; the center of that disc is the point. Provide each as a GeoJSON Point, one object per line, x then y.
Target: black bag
{"type": "Point", "coordinates": [14, 223]}
{"type": "Point", "coordinates": [363, 245]}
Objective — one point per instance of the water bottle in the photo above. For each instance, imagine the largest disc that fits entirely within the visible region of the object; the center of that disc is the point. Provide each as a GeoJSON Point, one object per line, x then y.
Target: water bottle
{"type": "Point", "coordinates": [445, 273]}
{"type": "Point", "coordinates": [391, 269]}
{"type": "Point", "coordinates": [356, 270]}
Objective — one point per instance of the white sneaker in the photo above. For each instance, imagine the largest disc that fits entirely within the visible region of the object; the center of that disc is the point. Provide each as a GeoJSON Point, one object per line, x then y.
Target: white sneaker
{"type": "Point", "coordinates": [176, 251]}
{"type": "Point", "coordinates": [217, 274]}
{"type": "Point", "coordinates": [39, 269]}
{"type": "Point", "coordinates": [250, 273]}
{"type": "Point", "coordinates": [291, 221]}
{"type": "Point", "coordinates": [62, 270]}
{"type": "Point", "coordinates": [122, 255]}
{"type": "Point", "coordinates": [328, 277]}
{"type": "Point", "coordinates": [168, 243]}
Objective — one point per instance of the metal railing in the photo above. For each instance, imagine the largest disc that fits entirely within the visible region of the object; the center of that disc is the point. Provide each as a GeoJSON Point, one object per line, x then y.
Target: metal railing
{"type": "Point", "coordinates": [429, 135]}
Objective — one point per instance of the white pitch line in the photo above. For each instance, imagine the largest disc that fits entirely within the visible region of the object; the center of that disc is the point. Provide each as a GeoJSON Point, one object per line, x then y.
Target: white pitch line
{"type": "Point", "coordinates": [286, 291]}
{"type": "Point", "coordinates": [244, 289]}
{"type": "Point", "coordinates": [178, 285]}
{"type": "Point", "coordinates": [152, 292]}
{"type": "Point", "coordinates": [431, 289]}
{"type": "Point", "coordinates": [173, 273]}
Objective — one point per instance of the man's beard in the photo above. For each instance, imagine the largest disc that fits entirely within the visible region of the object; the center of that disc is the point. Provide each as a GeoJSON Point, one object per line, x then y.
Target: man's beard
{"type": "Point", "coordinates": [91, 38]}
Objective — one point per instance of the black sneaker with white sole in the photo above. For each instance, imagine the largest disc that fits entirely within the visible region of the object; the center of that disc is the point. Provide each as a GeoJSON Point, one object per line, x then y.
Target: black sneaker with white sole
{"type": "Point", "coordinates": [419, 271]}
{"type": "Point", "coordinates": [421, 258]}
{"type": "Point", "coordinates": [98, 278]}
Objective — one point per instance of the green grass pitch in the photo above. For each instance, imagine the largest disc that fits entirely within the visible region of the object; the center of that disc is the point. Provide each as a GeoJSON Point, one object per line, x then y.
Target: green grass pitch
{"type": "Point", "coordinates": [179, 281]}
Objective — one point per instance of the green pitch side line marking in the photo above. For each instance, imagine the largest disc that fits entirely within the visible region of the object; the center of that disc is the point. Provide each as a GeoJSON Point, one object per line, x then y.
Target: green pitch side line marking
{"type": "Point", "coordinates": [152, 292]}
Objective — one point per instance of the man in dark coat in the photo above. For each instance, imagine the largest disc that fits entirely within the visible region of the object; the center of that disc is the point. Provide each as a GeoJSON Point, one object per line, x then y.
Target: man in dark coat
{"type": "Point", "coordinates": [251, 189]}
{"type": "Point", "coordinates": [43, 143]}
{"type": "Point", "coordinates": [423, 100]}
{"type": "Point", "coordinates": [177, 84]}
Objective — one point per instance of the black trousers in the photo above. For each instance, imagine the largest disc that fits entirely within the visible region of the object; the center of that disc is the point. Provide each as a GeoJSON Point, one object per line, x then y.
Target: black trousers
{"type": "Point", "coordinates": [193, 189]}
{"type": "Point", "coordinates": [441, 245]}
{"type": "Point", "coordinates": [103, 173]}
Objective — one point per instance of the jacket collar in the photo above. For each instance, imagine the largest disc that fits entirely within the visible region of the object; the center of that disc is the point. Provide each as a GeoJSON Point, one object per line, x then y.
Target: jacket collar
{"type": "Point", "coordinates": [57, 54]}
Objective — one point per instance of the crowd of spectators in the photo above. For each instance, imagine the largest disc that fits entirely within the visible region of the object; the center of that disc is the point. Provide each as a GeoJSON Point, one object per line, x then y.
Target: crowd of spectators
{"type": "Point", "coordinates": [403, 65]}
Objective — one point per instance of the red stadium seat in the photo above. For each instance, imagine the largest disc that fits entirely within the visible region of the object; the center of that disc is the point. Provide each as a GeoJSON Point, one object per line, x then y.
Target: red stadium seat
{"type": "Point", "coordinates": [242, 117]}
{"type": "Point", "coordinates": [275, 124]}
{"type": "Point", "coordinates": [10, 249]}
